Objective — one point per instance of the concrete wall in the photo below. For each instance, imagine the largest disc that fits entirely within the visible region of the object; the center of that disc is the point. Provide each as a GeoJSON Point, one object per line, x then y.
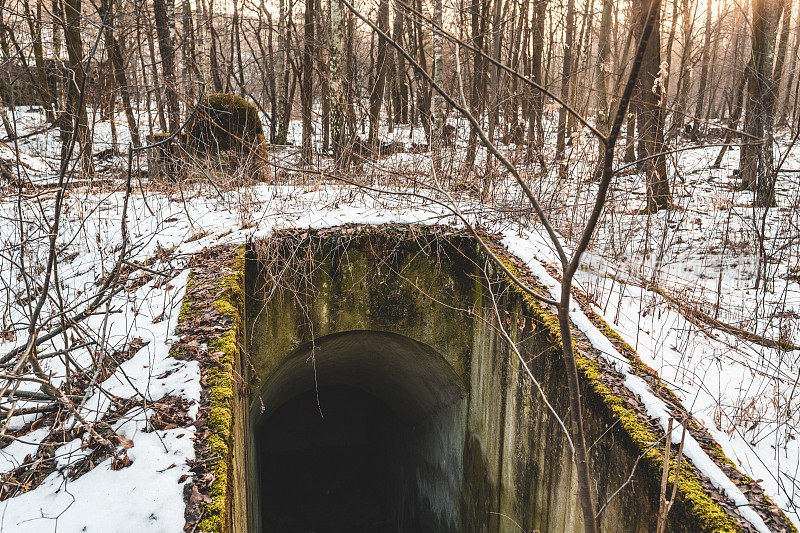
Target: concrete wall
{"type": "Point", "coordinates": [487, 454]}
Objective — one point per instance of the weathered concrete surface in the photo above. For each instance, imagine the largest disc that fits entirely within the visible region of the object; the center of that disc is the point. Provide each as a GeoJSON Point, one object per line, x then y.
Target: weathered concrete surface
{"type": "Point", "coordinates": [408, 317]}
{"type": "Point", "coordinates": [489, 458]}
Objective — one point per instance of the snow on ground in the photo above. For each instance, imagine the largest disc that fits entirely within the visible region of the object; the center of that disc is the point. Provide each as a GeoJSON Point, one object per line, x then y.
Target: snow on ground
{"type": "Point", "coordinates": [14, 454]}
{"type": "Point", "coordinates": [744, 393]}
{"type": "Point", "coordinates": [706, 255]}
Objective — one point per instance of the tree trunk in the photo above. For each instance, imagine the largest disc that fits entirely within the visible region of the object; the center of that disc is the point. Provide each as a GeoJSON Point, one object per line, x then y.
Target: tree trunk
{"type": "Point", "coordinates": [736, 114]}
{"type": "Point", "coordinates": [670, 43]}
{"type": "Point", "coordinates": [582, 43]}
{"type": "Point", "coordinates": [516, 55]}
{"type": "Point", "coordinates": [307, 92]}
{"type": "Point", "coordinates": [238, 43]}
{"type": "Point", "coordinates": [780, 57]}
{"type": "Point", "coordinates": [684, 78]}
{"type": "Point", "coordinates": [337, 96]}
{"type": "Point", "coordinates": [376, 96]}
{"type": "Point", "coordinates": [57, 14]}
{"type": "Point", "coordinates": [756, 165]}
{"type": "Point", "coordinates": [566, 72]}
{"type": "Point", "coordinates": [650, 112]}
{"type": "Point", "coordinates": [603, 49]}
{"type": "Point", "coordinates": [437, 104]}
{"type": "Point", "coordinates": [189, 51]}
{"type": "Point", "coordinates": [400, 88]}
{"type": "Point", "coordinates": [792, 75]}
{"type": "Point", "coordinates": [213, 60]}
{"type": "Point", "coordinates": [497, 42]}
{"type": "Point", "coordinates": [5, 86]}
{"type": "Point", "coordinates": [349, 78]}
{"type": "Point", "coordinates": [118, 66]}
{"type": "Point", "coordinates": [323, 31]}
{"type": "Point", "coordinates": [281, 76]}
{"type": "Point", "coordinates": [711, 96]}
{"type": "Point", "coordinates": [35, 27]}
{"type": "Point", "coordinates": [164, 30]}
{"type": "Point", "coordinates": [701, 91]}
{"type": "Point", "coordinates": [478, 80]}
{"type": "Point", "coordinates": [75, 107]}
{"type": "Point", "coordinates": [422, 91]}
{"type": "Point", "coordinates": [536, 128]}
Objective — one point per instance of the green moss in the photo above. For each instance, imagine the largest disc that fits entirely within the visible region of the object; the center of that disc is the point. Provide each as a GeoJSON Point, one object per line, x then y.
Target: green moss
{"type": "Point", "coordinates": [789, 524]}
{"type": "Point", "coordinates": [710, 515]}
{"type": "Point", "coordinates": [219, 419]}
{"type": "Point", "coordinates": [224, 122]}
{"type": "Point", "coordinates": [724, 459]}
{"type": "Point", "coordinates": [220, 382]}
{"type": "Point", "coordinates": [188, 309]}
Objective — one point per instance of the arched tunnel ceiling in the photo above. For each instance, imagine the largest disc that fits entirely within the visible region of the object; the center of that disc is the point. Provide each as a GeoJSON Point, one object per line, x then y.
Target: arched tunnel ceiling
{"type": "Point", "coordinates": [411, 377]}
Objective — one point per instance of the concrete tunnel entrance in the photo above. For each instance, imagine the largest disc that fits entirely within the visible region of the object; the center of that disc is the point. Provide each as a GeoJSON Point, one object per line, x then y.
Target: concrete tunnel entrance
{"type": "Point", "coordinates": [376, 394]}
{"type": "Point", "coordinates": [361, 431]}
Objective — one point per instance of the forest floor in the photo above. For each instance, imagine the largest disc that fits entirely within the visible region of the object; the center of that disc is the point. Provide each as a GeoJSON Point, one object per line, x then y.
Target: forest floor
{"type": "Point", "coordinates": [691, 288]}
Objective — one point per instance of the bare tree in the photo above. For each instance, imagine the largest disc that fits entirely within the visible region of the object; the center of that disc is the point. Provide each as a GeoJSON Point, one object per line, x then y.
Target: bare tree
{"type": "Point", "coordinates": [76, 105]}
{"type": "Point", "coordinates": [307, 94]}
{"type": "Point", "coordinates": [650, 110]}
{"type": "Point", "coordinates": [376, 96]}
{"type": "Point", "coordinates": [756, 162]}
{"type": "Point", "coordinates": [164, 12]}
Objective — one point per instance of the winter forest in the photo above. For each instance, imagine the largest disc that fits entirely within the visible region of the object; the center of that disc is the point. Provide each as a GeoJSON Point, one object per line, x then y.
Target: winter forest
{"type": "Point", "coordinates": [639, 158]}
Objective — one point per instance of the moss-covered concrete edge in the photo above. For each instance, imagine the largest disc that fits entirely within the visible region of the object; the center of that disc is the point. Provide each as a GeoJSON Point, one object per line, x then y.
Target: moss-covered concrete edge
{"type": "Point", "coordinates": [228, 291]}
{"type": "Point", "coordinates": [710, 514]}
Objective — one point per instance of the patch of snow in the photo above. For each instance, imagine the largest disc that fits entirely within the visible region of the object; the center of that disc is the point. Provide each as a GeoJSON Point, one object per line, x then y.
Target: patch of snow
{"type": "Point", "coordinates": [14, 454]}
{"type": "Point", "coordinates": [145, 496]}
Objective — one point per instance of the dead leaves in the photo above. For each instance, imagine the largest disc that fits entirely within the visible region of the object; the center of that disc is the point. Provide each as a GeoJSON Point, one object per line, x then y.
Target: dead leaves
{"type": "Point", "coordinates": [125, 442]}
{"type": "Point", "coordinates": [123, 461]}
{"type": "Point", "coordinates": [169, 412]}
{"type": "Point", "coordinates": [198, 330]}
{"type": "Point", "coordinates": [194, 505]}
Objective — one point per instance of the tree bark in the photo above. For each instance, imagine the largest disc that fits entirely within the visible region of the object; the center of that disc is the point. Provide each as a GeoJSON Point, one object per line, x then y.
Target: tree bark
{"type": "Point", "coordinates": [164, 31]}
{"type": "Point", "coordinates": [701, 91]}
{"type": "Point", "coordinates": [118, 66]}
{"type": "Point", "coordinates": [307, 92]}
{"type": "Point", "coordinates": [478, 79]}
{"type": "Point", "coordinates": [650, 112]}
{"type": "Point", "coordinates": [437, 102]}
{"type": "Point", "coordinates": [756, 165]}
{"type": "Point", "coordinates": [337, 112]}
{"type": "Point", "coordinates": [281, 76]}
{"type": "Point", "coordinates": [566, 73]}
{"type": "Point", "coordinates": [35, 27]}
{"type": "Point", "coordinates": [76, 108]}
{"type": "Point", "coordinates": [376, 96]}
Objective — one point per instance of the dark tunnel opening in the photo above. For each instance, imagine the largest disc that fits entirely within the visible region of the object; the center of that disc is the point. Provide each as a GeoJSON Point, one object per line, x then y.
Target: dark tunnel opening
{"type": "Point", "coordinates": [324, 465]}
{"type": "Point", "coordinates": [367, 437]}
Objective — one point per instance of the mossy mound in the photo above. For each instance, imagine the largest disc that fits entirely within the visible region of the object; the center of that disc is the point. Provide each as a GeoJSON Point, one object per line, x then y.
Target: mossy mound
{"type": "Point", "coordinates": [224, 122]}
